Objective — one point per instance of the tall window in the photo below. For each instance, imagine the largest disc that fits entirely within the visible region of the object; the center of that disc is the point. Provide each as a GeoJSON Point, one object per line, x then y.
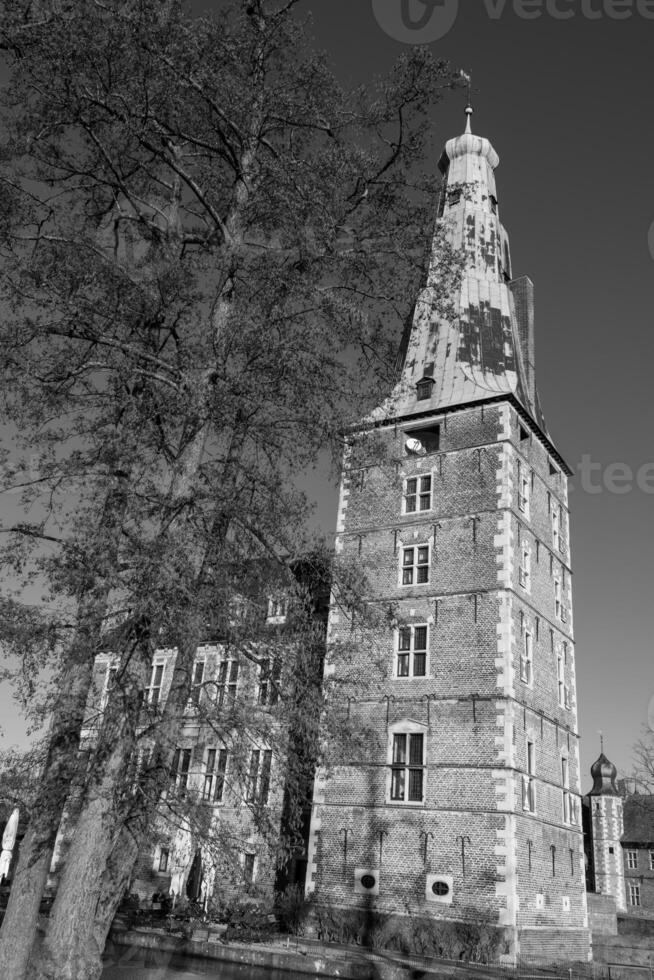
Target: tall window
{"type": "Point", "coordinates": [164, 858]}
{"type": "Point", "coordinates": [556, 527]}
{"type": "Point", "coordinates": [412, 651]}
{"type": "Point", "coordinates": [527, 658]}
{"type": "Point", "coordinates": [558, 602]}
{"type": "Point", "coordinates": [180, 769]}
{"type": "Point", "coordinates": [560, 671]}
{"type": "Point", "coordinates": [415, 565]}
{"type": "Point", "coordinates": [109, 684]}
{"type": "Point", "coordinates": [417, 494]}
{"type": "Point", "coordinates": [407, 767]}
{"type": "Point", "coordinates": [227, 680]}
{"type": "Point", "coordinates": [651, 860]}
{"type": "Point", "coordinates": [154, 688]}
{"type": "Point", "coordinates": [196, 685]}
{"type": "Point", "coordinates": [632, 860]}
{"type": "Point", "coordinates": [524, 572]}
{"type": "Point", "coordinates": [633, 891]}
{"type": "Point", "coordinates": [258, 788]}
{"type": "Point", "coordinates": [214, 775]}
{"type": "Point", "coordinates": [269, 675]}
{"type": "Point", "coordinates": [524, 489]}
{"type": "Point", "coordinates": [277, 609]}
{"type": "Point", "coordinates": [249, 865]}
{"type": "Point", "coordinates": [567, 798]}
{"type": "Point", "coordinates": [528, 782]}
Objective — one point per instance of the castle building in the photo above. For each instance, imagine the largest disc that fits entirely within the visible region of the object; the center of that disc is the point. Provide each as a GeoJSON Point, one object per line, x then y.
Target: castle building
{"type": "Point", "coordinates": [234, 817]}
{"type": "Point", "coordinates": [463, 802]}
{"type": "Point", "coordinates": [619, 840]}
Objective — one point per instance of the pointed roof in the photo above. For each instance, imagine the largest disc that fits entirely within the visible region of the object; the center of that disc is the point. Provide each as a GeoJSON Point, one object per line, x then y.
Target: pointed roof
{"type": "Point", "coordinates": [478, 344]}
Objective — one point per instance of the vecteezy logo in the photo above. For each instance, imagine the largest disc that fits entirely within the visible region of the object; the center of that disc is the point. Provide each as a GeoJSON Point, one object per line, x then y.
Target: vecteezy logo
{"type": "Point", "coordinates": [416, 21]}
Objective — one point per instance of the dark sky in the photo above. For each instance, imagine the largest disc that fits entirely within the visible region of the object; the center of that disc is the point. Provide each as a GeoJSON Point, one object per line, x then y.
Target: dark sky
{"type": "Point", "coordinates": [567, 105]}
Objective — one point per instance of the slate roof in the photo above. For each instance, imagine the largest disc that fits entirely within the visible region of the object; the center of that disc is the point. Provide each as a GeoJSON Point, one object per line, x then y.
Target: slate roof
{"type": "Point", "coordinates": [639, 820]}
{"type": "Point", "coordinates": [480, 345]}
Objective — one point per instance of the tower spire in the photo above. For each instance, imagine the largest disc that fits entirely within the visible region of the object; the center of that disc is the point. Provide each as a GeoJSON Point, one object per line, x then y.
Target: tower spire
{"type": "Point", "coordinates": [469, 109]}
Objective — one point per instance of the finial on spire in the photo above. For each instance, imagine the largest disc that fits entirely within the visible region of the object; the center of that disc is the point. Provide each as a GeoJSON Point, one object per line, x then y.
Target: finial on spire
{"type": "Point", "coordinates": [601, 735]}
{"type": "Point", "coordinates": [469, 110]}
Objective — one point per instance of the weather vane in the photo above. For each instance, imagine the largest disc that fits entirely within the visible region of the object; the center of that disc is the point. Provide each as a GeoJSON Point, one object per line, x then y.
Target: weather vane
{"type": "Point", "coordinates": [468, 78]}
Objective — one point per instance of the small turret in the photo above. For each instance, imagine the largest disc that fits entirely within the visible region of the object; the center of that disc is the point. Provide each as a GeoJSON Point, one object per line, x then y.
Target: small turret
{"type": "Point", "coordinates": [605, 822]}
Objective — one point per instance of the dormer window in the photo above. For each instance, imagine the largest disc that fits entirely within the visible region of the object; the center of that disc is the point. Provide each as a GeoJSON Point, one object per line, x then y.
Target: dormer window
{"type": "Point", "coordinates": [424, 389]}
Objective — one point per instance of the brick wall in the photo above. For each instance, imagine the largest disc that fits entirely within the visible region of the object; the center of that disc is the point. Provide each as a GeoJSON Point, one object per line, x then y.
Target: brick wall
{"type": "Point", "coordinates": [474, 711]}
{"type": "Point", "coordinates": [642, 876]}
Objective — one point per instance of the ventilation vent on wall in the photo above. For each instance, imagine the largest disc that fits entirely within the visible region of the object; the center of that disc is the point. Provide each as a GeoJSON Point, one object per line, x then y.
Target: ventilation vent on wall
{"type": "Point", "coordinates": [566, 903]}
{"type": "Point", "coordinates": [366, 881]}
{"type": "Point", "coordinates": [540, 901]}
{"type": "Point", "coordinates": [438, 888]}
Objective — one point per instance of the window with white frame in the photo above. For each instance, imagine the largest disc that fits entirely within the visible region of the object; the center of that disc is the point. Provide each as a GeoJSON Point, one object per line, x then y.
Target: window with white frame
{"type": "Point", "coordinates": [633, 893]}
{"type": "Point", "coordinates": [227, 681]}
{"type": "Point", "coordinates": [556, 527]}
{"type": "Point", "coordinates": [524, 571]}
{"type": "Point", "coordinates": [108, 685]}
{"type": "Point", "coordinates": [417, 494]}
{"type": "Point", "coordinates": [258, 785]}
{"type": "Point", "coordinates": [214, 775]}
{"type": "Point", "coordinates": [527, 658]}
{"type": "Point", "coordinates": [180, 769]}
{"type": "Point", "coordinates": [412, 651]}
{"type": "Point", "coordinates": [528, 780]}
{"type": "Point", "coordinates": [568, 809]}
{"type": "Point", "coordinates": [153, 693]}
{"type": "Point", "coordinates": [415, 565]}
{"type": "Point", "coordinates": [560, 676]}
{"type": "Point", "coordinates": [269, 676]}
{"type": "Point", "coordinates": [139, 765]}
{"type": "Point", "coordinates": [524, 489]}
{"type": "Point", "coordinates": [277, 609]}
{"type": "Point", "coordinates": [197, 681]}
{"type": "Point", "coordinates": [249, 867]}
{"type": "Point", "coordinates": [407, 767]}
{"type": "Point", "coordinates": [558, 601]}
{"type": "Point", "coordinates": [632, 860]}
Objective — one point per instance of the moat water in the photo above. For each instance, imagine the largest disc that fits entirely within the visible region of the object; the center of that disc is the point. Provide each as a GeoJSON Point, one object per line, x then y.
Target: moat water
{"type": "Point", "coordinates": [140, 964]}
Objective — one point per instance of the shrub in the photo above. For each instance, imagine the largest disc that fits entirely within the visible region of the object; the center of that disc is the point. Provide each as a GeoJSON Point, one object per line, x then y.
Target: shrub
{"type": "Point", "coordinates": [292, 909]}
{"type": "Point", "coordinates": [411, 935]}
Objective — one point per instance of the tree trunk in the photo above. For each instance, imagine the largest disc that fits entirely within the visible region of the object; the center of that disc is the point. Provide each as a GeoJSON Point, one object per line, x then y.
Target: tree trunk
{"type": "Point", "coordinates": [115, 880]}
{"type": "Point", "coordinates": [61, 770]}
{"type": "Point", "coordinates": [21, 917]}
{"type": "Point", "coordinates": [71, 950]}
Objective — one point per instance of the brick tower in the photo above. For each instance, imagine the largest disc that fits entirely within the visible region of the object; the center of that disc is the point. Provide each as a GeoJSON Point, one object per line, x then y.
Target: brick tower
{"type": "Point", "coordinates": [464, 803]}
{"type": "Point", "coordinates": [603, 814]}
